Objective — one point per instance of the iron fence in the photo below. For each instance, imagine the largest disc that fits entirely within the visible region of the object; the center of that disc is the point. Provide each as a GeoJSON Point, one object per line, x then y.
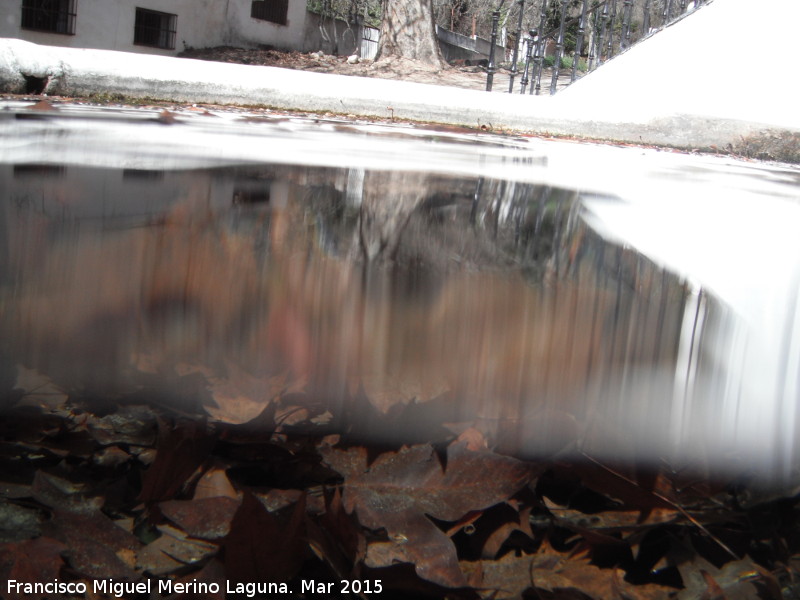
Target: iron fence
{"type": "Point", "coordinates": [574, 39]}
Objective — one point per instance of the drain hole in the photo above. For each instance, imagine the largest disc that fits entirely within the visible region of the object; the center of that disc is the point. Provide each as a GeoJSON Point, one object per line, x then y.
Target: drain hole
{"type": "Point", "coordinates": [35, 85]}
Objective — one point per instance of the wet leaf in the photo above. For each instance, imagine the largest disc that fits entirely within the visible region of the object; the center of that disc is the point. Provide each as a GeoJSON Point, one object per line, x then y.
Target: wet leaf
{"type": "Point", "coordinates": [214, 484]}
{"type": "Point", "coordinates": [206, 518]}
{"type": "Point", "coordinates": [414, 479]}
{"type": "Point", "coordinates": [400, 488]}
{"type": "Point", "coordinates": [212, 572]}
{"type": "Point", "coordinates": [336, 537]}
{"type": "Point", "coordinates": [552, 572]}
{"type": "Point", "coordinates": [498, 537]}
{"type": "Point", "coordinates": [56, 492]}
{"type": "Point", "coordinates": [178, 546]}
{"type": "Point", "coordinates": [167, 118]}
{"type": "Point", "coordinates": [38, 390]}
{"type": "Point", "coordinates": [240, 397]}
{"type": "Point", "coordinates": [135, 425]}
{"type": "Point", "coordinates": [43, 105]}
{"type": "Point", "coordinates": [18, 523]}
{"type": "Point", "coordinates": [505, 578]}
{"type": "Point", "coordinates": [155, 559]}
{"type": "Point", "coordinates": [31, 561]}
{"type": "Point", "coordinates": [736, 580]}
{"type": "Point", "coordinates": [181, 450]}
{"type": "Point", "coordinates": [260, 547]}
{"type": "Point", "coordinates": [96, 546]}
{"type": "Point", "coordinates": [416, 540]}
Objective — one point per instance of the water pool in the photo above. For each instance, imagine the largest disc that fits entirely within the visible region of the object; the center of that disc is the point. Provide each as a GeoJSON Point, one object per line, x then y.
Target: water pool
{"type": "Point", "coordinates": [563, 298]}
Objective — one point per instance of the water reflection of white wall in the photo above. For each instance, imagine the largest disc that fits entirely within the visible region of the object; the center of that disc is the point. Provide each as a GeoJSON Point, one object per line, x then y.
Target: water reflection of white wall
{"type": "Point", "coordinates": [739, 395]}
{"type": "Point", "coordinates": [73, 192]}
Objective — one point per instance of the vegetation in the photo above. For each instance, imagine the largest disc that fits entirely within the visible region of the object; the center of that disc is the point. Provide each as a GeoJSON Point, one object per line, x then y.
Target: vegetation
{"type": "Point", "coordinates": [367, 12]}
{"type": "Point", "coordinates": [566, 62]}
{"type": "Point", "coordinates": [474, 17]}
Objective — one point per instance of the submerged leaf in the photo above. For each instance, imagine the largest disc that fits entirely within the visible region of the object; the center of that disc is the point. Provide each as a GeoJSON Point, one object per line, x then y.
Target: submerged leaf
{"type": "Point", "coordinates": [260, 547]}
{"type": "Point", "coordinates": [30, 561]}
{"type": "Point", "coordinates": [400, 488]}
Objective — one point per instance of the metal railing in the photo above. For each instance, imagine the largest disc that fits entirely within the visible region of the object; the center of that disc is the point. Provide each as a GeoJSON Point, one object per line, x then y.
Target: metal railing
{"type": "Point", "coordinates": [601, 31]}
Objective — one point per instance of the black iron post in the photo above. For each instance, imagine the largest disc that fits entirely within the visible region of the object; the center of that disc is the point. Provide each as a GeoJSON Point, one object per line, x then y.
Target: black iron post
{"type": "Point", "coordinates": [610, 42]}
{"type": "Point", "coordinates": [515, 56]}
{"type": "Point", "coordinates": [593, 40]}
{"type": "Point", "coordinates": [533, 38]}
{"type": "Point", "coordinates": [602, 38]}
{"type": "Point", "coordinates": [538, 55]}
{"type": "Point", "coordinates": [579, 41]}
{"type": "Point", "coordinates": [625, 40]}
{"type": "Point", "coordinates": [559, 48]}
{"type": "Point", "coordinates": [666, 14]}
{"type": "Point", "coordinates": [491, 69]}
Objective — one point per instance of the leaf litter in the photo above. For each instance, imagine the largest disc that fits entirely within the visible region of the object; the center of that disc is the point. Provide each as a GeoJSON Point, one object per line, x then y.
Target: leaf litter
{"type": "Point", "coordinates": [113, 488]}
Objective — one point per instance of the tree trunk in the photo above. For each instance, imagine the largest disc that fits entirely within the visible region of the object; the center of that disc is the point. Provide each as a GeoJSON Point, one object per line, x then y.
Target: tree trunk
{"type": "Point", "coordinates": [407, 31]}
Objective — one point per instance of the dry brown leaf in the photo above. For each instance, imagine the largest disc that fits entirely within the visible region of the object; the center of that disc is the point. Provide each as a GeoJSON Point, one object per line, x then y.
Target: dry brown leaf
{"type": "Point", "coordinates": [207, 518]}
{"type": "Point", "coordinates": [241, 397]}
{"type": "Point", "coordinates": [30, 561]}
{"type": "Point", "coordinates": [214, 484]}
{"type": "Point", "coordinates": [177, 545]}
{"type": "Point", "coordinates": [553, 573]}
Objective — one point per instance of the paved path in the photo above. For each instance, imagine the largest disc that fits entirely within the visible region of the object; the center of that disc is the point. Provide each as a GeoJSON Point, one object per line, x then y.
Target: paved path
{"type": "Point", "coordinates": [475, 79]}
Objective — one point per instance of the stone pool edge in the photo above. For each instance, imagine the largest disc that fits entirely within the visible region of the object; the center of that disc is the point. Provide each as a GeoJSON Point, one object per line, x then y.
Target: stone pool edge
{"type": "Point", "coordinates": [82, 73]}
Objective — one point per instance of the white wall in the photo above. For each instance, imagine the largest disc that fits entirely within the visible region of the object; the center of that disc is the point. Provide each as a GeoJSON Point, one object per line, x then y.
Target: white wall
{"type": "Point", "coordinates": [108, 24]}
{"type": "Point", "coordinates": [245, 31]}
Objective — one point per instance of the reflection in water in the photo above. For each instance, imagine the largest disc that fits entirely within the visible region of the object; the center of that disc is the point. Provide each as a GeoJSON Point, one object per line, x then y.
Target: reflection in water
{"type": "Point", "coordinates": [412, 287]}
{"type": "Point", "coordinates": [492, 301]}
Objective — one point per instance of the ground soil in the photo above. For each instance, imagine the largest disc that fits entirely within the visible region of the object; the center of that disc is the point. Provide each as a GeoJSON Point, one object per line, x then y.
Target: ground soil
{"type": "Point", "coordinates": [462, 76]}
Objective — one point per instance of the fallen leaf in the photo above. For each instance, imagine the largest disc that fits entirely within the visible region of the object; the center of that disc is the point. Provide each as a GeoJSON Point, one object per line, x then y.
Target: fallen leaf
{"type": "Point", "coordinates": [400, 488]}
{"type": "Point", "coordinates": [43, 105]}
{"type": "Point", "coordinates": [177, 545]}
{"type": "Point", "coordinates": [166, 117]}
{"type": "Point", "coordinates": [95, 545]}
{"type": "Point", "coordinates": [181, 450]}
{"type": "Point", "coordinates": [213, 484]}
{"type": "Point", "coordinates": [507, 577]}
{"type": "Point", "coordinates": [18, 523]}
{"type": "Point", "coordinates": [260, 547]}
{"type": "Point", "coordinates": [30, 561]}
{"type": "Point", "coordinates": [206, 518]}
{"type": "Point", "coordinates": [241, 397]}
{"type": "Point", "coordinates": [336, 537]}
{"type": "Point", "coordinates": [38, 390]}
{"type": "Point", "coordinates": [554, 572]}
{"type": "Point", "coordinates": [415, 539]}
{"type": "Point", "coordinates": [59, 493]}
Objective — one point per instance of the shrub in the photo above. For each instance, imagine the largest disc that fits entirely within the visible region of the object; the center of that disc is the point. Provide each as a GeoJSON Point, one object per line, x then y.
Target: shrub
{"type": "Point", "coordinates": [566, 62]}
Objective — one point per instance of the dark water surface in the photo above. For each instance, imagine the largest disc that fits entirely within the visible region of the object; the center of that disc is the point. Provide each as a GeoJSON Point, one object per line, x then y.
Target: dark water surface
{"type": "Point", "coordinates": [559, 297]}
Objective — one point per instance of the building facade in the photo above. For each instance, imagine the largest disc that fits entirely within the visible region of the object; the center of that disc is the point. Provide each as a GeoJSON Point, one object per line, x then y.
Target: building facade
{"type": "Point", "coordinates": [156, 26]}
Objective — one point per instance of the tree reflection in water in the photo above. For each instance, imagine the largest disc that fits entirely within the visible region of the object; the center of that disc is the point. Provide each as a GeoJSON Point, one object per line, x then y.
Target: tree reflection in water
{"type": "Point", "coordinates": [491, 298]}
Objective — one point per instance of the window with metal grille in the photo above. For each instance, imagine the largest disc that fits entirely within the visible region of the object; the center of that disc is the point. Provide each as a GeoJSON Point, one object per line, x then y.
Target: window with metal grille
{"type": "Point", "coordinates": [153, 28]}
{"type": "Point", "coordinates": [270, 10]}
{"type": "Point", "coordinates": [55, 16]}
